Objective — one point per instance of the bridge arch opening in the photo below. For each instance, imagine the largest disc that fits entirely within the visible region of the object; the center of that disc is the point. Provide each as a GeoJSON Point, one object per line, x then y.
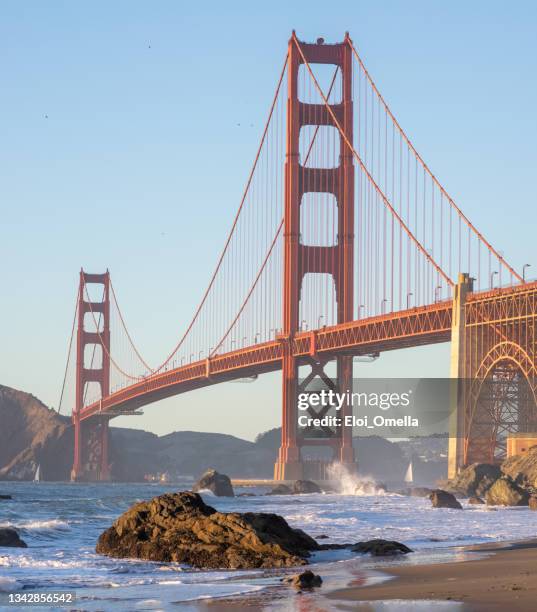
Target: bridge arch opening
{"type": "Point", "coordinates": [320, 147]}
{"type": "Point", "coordinates": [503, 402]}
{"type": "Point", "coordinates": [314, 312]}
{"type": "Point", "coordinates": [318, 219]}
{"type": "Point", "coordinates": [93, 356]}
{"type": "Point", "coordinates": [329, 78]}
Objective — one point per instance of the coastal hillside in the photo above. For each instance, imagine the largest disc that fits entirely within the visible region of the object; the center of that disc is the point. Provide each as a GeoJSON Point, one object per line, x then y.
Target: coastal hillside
{"type": "Point", "coordinates": [32, 434]}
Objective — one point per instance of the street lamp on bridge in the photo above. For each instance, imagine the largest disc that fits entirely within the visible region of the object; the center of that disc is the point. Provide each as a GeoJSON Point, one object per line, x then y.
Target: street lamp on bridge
{"type": "Point", "coordinates": [524, 271]}
{"type": "Point", "coordinates": [492, 279]}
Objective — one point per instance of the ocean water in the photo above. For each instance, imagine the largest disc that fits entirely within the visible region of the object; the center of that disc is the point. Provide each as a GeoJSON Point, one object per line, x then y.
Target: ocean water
{"type": "Point", "coordinates": [61, 522]}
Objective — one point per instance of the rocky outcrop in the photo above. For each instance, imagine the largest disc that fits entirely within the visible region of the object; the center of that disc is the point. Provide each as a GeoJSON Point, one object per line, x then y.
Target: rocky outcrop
{"type": "Point", "coordinates": [474, 480]}
{"type": "Point", "coordinates": [219, 484]}
{"type": "Point", "coordinates": [505, 492]}
{"type": "Point", "coordinates": [443, 499]}
{"type": "Point", "coordinates": [280, 489]}
{"type": "Point", "coordinates": [304, 580]}
{"type": "Point", "coordinates": [476, 501]}
{"type": "Point", "coordinates": [381, 548]}
{"type": "Point", "coordinates": [10, 538]}
{"type": "Point", "coordinates": [522, 468]}
{"type": "Point", "coordinates": [180, 527]}
{"type": "Point", "coordinates": [306, 486]}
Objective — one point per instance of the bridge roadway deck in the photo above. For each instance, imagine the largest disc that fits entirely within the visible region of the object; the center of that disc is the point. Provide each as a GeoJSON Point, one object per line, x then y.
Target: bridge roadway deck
{"type": "Point", "coordinates": [412, 327]}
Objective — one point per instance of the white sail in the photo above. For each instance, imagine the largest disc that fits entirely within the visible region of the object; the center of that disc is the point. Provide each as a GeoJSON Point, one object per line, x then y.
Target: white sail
{"type": "Point", "coordinates": [409, 476]}
{"type": "Point", "coordinates": [37, 476]}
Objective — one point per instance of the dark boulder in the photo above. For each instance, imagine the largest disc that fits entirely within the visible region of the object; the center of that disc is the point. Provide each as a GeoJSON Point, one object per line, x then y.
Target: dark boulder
{"type": "Point", "coordinates": [505, 492]}
{"type": "Point", "coordinates": [180, 527]}
{"type": "Point", "coordinates": [305, 580]}
{"type": "Point", "coordinates": [443, 499]}
{"type": "Point", "coordinates": [475, 501]}
{"type": "Point", "coordinates": [381, 548]}
{"type": "Point", "coordinates": [219, 484]}
{"type": "Point", "coordinates": [3, 496]}
{"type": "Point", "coordinates": [280, 489]}
{"type": "Point", "coordinates": [10, 538]}
{"type": "Point", "coordinates": [306, 486]}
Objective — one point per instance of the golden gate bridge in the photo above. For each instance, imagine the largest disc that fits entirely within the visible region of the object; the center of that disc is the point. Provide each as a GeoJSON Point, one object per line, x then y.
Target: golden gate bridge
{"type": "Point", "coordinates": [344, 244]}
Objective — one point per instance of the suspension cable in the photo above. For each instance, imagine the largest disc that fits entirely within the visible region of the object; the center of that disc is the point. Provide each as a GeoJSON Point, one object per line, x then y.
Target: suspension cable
{"type": "Point", "coordinates": [426, 168]}
{"type": "Point", "coordinates": [68, 356]}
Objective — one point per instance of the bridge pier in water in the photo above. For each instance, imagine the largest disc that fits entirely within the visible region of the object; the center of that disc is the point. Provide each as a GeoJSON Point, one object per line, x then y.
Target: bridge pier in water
{"type": "Point", "coordinates": [301, 259]}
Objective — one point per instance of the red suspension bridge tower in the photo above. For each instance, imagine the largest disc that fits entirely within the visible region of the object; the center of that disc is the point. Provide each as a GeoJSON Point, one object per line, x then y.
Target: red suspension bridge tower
{"type": "Point", "coordinates": [91, 437]}
{"type": "Point", "coordinates": [300, 259]}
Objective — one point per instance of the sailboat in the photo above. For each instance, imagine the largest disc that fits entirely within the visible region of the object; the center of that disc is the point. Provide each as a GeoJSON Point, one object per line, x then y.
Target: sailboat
{"type": "Point", "coordinates": [409, 476]}
{"type": "Point", "coordinates": [37, 476]}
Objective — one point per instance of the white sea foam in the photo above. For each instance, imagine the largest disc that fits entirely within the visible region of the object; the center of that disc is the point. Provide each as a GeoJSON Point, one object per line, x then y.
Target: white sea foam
{"type": "Point", "coordinates": [351, 484]}
{"type": "Point", "coordinates": [207, 492]}
{"type": "Point", "coordinates": [51, 524]}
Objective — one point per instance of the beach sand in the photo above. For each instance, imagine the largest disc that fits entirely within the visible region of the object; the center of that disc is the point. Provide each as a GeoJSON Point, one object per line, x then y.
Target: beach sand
{"type": "Point", "coordinates": [502, 577]}
{"type": "Point", "coordinates": [506, 580]}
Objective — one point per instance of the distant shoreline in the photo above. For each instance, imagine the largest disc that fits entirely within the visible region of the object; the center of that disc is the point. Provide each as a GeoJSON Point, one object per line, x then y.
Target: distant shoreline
{"type": "Point", "coordinates": [505, 580]}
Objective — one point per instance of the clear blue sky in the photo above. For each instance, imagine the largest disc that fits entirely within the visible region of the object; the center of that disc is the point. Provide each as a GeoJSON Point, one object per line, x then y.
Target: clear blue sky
{"type": "Point", "coordinates": [143, 141]}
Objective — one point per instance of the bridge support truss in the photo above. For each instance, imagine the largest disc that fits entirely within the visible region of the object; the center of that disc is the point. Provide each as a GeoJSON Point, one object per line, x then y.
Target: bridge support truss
{"type": "Point", "coordinates": [91, 437]}
{"type": "Point", "coordinates": [301, 259]}
{"type": "Point", "coordinates": [494, 367]}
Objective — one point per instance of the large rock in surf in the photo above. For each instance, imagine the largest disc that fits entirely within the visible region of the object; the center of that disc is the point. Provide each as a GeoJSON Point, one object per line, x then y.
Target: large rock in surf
{"type": "Point", "coordinates": [180, 527]}
{"type": "Point", "coordinates": [474, 480]}
{"type": "Point", "coordinates": [381, 548]}
{"type": "Point", "coordinates": [522, 468]}
{"type": "Point", "coordinates": [4, 496]}
{"type": "Point", "coordinates": [305, 580]}
{"type": "Point", "coordinates": [10, 538]}
{"type": "Point", "coordinates": [306, 486]}
{"type": "Point", "coordinates": [219, 484]}
{"type": "Point", "coordinates": [505, 492]}
{"type": "Point", "coordinates": [443, 499]}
